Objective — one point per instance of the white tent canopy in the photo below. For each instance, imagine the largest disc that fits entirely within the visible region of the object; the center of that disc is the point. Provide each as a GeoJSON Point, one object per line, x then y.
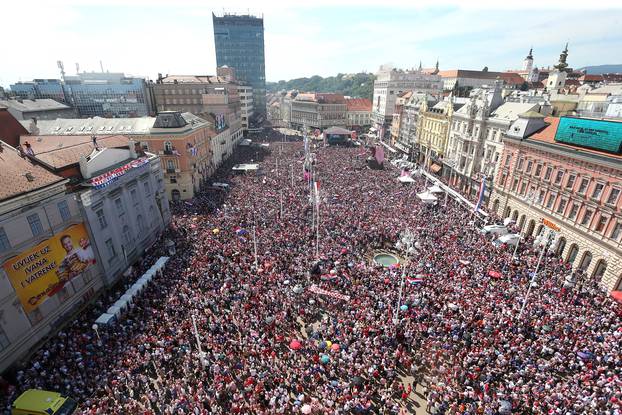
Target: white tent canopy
{"type": "Point", "coordinates": [435, 189]}
{"type": "Point", "coordinates": [427, 198]}
{"type": "Point", "coordinates": [105, 319]}
{"type": "Point", "coordinates": [245, 167]}
{"type": "Point", "coordinates": [406, 179]}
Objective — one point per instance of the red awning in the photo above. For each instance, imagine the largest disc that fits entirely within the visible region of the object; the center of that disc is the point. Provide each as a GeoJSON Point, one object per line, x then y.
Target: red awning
{"type": "Point", "coordinates": [617, 295]}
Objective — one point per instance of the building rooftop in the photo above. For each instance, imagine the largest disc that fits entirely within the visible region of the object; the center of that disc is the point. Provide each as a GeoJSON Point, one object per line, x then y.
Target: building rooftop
{"type": "Point", "coordinates": [194, 79]}
{"type": "Point", "coordinates": [358, 104]}
{"type": "Point", "coordinates": [106, 126]}
{"type": "Point", "coordinates": [31, 105]}
{"type": "Point", "coordinates": [19, 175]}
{"type": "Point", "coordinates": [511, 110]}
{"type": "Point", "coordinates": [62, 151]}
{"type": "Point", "coordinates": [322, 98]}
{"type": "Point", "coordinates": [611, 89]}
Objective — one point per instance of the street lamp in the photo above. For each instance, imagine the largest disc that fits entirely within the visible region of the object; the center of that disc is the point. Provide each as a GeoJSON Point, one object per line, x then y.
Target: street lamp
{"type": "Point", "coordinates": [407, 245]}
{"type": "Point", "coordinates": [99, 339]}
{"type": "Point", "coordinates": [535, 273]}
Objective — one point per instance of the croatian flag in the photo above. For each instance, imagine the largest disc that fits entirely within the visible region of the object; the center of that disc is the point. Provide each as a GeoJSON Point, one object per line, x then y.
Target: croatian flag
{"type": "Point", "coordinates": [480, 198]}
{"type": "Point", "coordinates": [414, 280]}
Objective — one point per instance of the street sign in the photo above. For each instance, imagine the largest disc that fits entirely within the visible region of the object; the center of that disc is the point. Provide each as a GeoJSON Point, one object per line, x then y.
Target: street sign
{"type": "Point", "coordinates": [550, 224]}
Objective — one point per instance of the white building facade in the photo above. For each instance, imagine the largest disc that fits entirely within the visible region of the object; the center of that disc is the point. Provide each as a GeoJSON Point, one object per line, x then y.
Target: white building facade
{"type": "Point", "coordinates": [391, 82]}
{"type": "Point", "coordinates": [246, 104]}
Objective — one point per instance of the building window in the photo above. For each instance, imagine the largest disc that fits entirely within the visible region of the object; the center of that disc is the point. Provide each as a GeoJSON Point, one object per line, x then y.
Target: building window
{"type": "Point", "coordinates": [101, 218]}
{"type": "Point", "coordinates": [147, 188]}
{"type": "Point", "coordinates": [602, 222]}
{"type": "Point", "coordinates": [134, 195]}
{"type": "Point", "coordinates": [515, 185]}
{"type": "Point", "coordinates": [617, 231]}
{"type": "Point", "coordinates": [541, 197]}
{"type": "Point", "coordinates": [523, 188]}
{"type": "Point", "coordinates": [583, 186]}
{"type": "Point", "coordinates": [127, 236]}
{"type": "Point", "coordinates": [529, 166]}
{"type": "Point", "coordinates": [520, 163]}
{"type": "Point", "coordinates": [141, 223]}
{"type": "Point", "coordinates": [598, 190]}
{"type": "Point", "coordinates": [613, 196]}
{"type": "Point", "coordinates": [111, 252]}
{"type": "Point", "coordinates": [35, 224]}
{"type": "Point", "coordinates": [547, 173]}
{"type": "Point", "coordinates": [562, 206]}
{"type": "Point", "coordinates": [63, 208]}
{"type": "Point", "coordinates": [118, 203]}
{"type": "Point", "coordinates": [559, 176]}
{"type": "Point", "coordinates": [573, 211]}
{"type": "Point", "coordinates": [538, 170]}
{"type": "Point", "coordinates": [550, 201]}
{"type": "Point", "coordinates": [4, 340]}
{"type": "Point", "coordinates": [587, 217]}
{"type": "Point", "coordinates": [5, 244]}
{"type": "Point", "coordinates": [570, 182]}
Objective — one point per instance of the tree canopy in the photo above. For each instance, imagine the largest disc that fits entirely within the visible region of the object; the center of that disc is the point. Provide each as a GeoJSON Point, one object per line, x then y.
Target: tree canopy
{"type": "Point", "coordinates": [360, 85]}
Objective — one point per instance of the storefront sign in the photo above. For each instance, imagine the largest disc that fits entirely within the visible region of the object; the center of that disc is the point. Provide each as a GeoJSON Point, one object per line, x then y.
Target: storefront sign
{"type": "Point", "coordinates": [550, 225]}
{"type": "Point", "coordinates": [40, 272]}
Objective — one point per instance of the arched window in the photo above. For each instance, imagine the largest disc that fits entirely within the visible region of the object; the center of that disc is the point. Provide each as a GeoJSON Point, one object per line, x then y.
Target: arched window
{"type": "Point", "coordinates": [600, 268]}
{"type": "Point", "coordinates": [170, 164]}
{"type": "Point", "coordinates": [572, 253]}
{"type": "Point", "coordinates": [586, 261]}
{"type": "Point", "coordinates": [168, 147]}
{"type": "Point", "coordinates": [560, 246]}
{"type": "Point", "coordinates": [515, 215]}
{"type": "Point", "coordinates": [495, 205]}
{"type": "Point", "coordinates": [521, 222]}
{"type": "Point", "coordinates": [507, 212]}
{"type": "Point", "coordinates": [175, 195]}
{"type": "Point", "coordinates": [530, 227]}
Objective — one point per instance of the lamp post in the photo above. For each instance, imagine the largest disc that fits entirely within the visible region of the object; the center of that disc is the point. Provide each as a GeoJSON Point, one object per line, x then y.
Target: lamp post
{"type": "Point", "coordinates": [407, 242]}
{"type": "Point", "coordinates": [198, 339]}
{"type": "Point", "coordinates": [99, 339]}
{"type": "Point", "coordinates": [535, 273]}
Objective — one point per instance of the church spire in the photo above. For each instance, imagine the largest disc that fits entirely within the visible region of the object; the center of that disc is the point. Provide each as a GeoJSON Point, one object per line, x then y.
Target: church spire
{"type": "Point", "coordinates": [420, 66]}
{"type": "Point", "coordinates": [562, 65]}
{"type": "Point", "coordinates": [530, 56]}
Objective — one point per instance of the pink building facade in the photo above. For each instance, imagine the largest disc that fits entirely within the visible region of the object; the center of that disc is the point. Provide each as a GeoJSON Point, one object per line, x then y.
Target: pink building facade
{"type": "Point", "coordinates": [576, 187]}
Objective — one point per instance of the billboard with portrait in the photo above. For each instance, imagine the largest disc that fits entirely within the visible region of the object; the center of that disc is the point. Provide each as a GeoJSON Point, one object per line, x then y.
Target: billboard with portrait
{"type": "Point", "coordinates": [40, 272]}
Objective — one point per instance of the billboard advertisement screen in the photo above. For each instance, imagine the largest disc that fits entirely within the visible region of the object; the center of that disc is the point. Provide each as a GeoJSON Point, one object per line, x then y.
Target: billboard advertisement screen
{"type": "Point", "coordinates": [40, 272]}
{"type": "Point", "coordinates": [596, 134]}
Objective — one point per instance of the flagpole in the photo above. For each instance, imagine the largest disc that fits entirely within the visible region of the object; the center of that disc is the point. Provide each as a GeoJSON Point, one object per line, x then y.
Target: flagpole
{"type": "Point", "coordinates": [281, 199]}
{"type": "Point", "coordinates": [255, 246]}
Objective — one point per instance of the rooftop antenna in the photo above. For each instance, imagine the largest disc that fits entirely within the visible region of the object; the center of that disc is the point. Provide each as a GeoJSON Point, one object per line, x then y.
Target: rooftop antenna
{"type": "Point", "coordinates": [101, 65]}
{"type": "Point", "coordinates": [62, 70]}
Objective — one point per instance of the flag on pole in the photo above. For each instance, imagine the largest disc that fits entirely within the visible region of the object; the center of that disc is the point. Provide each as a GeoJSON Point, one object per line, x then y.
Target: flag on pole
{"type": "Point", "coordinates": [414, 280]}
{"type": "Point", "coordinates": [480, 197]}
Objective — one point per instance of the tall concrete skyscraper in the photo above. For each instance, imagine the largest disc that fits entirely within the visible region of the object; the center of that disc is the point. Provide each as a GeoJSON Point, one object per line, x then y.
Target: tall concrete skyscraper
{"type": "Point", "coordinates": [239, 44]}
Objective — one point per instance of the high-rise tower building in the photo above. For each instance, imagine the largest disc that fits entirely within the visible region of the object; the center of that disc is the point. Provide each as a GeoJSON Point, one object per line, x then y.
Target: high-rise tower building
{"type": "Point", "coordinates": [239, 44]}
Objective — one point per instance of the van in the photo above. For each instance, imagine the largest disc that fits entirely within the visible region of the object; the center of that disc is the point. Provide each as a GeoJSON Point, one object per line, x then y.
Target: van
{"type": "Point", "coordinates": [40, 402]}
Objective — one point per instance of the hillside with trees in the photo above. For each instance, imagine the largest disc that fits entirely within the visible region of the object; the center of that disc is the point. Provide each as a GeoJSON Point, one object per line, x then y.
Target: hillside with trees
{"type": "Point", "coordinates": [360, 85]}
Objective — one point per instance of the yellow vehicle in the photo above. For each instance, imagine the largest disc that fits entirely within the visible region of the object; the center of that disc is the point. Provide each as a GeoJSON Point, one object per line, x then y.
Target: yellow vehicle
{"type": "Point", "coordinates": [39, 402]}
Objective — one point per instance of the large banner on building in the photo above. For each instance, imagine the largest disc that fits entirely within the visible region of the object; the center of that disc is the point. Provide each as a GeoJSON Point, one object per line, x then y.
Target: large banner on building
{"type": "Point", "coordinates": [40, 272]}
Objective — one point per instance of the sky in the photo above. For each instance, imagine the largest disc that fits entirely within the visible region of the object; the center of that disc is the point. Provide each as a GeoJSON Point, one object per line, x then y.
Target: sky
{"type": "Point", "coordinates": [304, 38]}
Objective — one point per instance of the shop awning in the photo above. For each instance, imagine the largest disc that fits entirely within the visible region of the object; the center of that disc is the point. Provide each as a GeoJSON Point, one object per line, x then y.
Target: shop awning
{"type": "Point", "coordinates": [435, 167]}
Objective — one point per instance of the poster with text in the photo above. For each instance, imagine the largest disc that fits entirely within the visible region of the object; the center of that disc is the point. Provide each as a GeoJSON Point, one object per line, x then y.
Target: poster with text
{"type": "Point", "coordinates": [40, 272]}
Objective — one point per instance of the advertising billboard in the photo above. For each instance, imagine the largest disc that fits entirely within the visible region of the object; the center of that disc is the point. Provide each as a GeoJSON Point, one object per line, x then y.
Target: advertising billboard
{"type": "Point", "coordinates": [40, 272]}
{"type": "Point", "coordinates": [597, 134]}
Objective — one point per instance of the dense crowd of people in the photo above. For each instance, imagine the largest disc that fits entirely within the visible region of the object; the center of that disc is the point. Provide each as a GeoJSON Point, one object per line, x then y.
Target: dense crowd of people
{"type": "Point", "coordinates": [272, 345]}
